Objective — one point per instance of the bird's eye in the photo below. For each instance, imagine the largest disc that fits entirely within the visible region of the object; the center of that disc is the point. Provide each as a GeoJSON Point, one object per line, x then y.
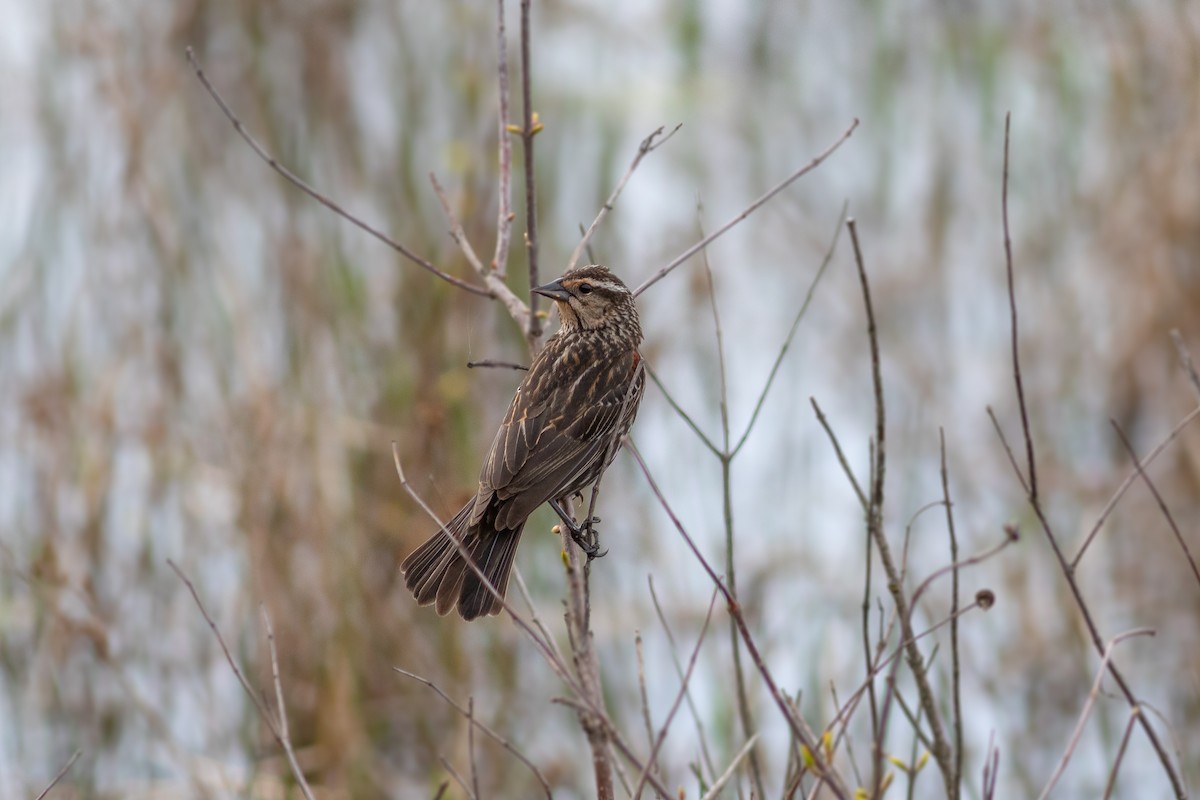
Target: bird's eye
{"type": "Point", "coordinates": [585, 288]}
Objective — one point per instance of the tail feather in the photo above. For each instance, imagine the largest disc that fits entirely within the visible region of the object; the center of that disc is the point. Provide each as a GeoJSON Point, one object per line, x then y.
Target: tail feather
{"type": "Point", "coordinates": [436, 572]}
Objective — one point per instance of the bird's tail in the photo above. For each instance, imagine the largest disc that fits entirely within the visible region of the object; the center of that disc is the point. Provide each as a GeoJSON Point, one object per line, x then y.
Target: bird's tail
{"type": "Point", "coordinates": [436, 572]}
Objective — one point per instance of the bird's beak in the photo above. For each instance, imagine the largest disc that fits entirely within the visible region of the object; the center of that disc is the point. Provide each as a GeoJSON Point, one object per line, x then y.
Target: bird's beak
{"type": "Point", "coordinates": [554, 291]}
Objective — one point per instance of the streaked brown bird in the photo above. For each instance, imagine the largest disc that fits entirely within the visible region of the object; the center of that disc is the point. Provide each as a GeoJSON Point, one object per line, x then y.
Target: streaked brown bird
{"type": "Point", "coordinates": [562, 430]}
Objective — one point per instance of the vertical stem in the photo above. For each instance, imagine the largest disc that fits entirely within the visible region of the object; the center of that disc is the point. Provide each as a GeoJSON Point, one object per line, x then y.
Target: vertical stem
{"type": "Point", "coordinates": [726, 457]}
{"type": "Point", "coordinates": [587, 665]}
{"type": "Point", "coordinates": [527, 134]}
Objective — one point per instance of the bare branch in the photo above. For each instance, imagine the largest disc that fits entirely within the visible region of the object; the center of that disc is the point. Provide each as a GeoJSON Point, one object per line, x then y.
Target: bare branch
{"type": "Point", "coordinates": [487, 362]}
{"type": "Point", "coordinates": [683, 686]}
{"type": "Point", "coordinates": [65, 769]}
{"type": "Point", "coordinates": [277, 731]}
{"type": "Point", "coordinates": [647, 146]}
{"type": "Point", "coordinates": [529, 129]}
{"type": "Point", "coordinates": [284, 735]}
{"type": "Point", "coordinates": [787, 342]}
{"type": "Point", "coordinates": [824, 771]}
{"type": "Point", "coordinates": [1030, 465]}
{"type": "Point", "coordinates": [716, 451]}
{"type": "Point", "coordinates": [841, 456]}
{"type": "Point", "coordinates": [700, 732]}
{"type": "Point", "coordinates": [303, 186]}
{"type": "Point", "coordinates": [497, 288]}
{"type": "Point", "coordinates": [714, 791]}
{"type": "Point", "coordinates": [955, 676]}
{"type": "Point", "coordinates": [750, 209]}
{"type": "Point", "coordinates": [1087, 707]}
{"type": "Point", "coordinates": [474, 722]}
{"type": "Point", "coordinates": [1162, 505]}
{"type": "Point", "coordinates": [1112, 775]}
{"type": "Point", "coordinates": [1066, 568]}
{"type": "Point", "coordinates": [1129, 479]}
{"type": "Point", "coordinates": [504, 218]}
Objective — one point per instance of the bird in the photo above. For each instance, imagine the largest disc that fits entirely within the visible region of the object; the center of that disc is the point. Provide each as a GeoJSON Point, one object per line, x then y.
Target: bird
{"type": "Point", "coordinates": [562, 430]}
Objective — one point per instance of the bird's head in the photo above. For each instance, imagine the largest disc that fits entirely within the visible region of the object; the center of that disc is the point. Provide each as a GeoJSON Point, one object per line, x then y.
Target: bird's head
{"type": "Point", "coordinates": [592, 298]}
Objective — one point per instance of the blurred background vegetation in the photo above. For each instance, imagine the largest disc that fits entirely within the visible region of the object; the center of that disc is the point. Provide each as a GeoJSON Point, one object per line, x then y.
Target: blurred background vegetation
{"type": "Point", "coordinates": [201, 364]}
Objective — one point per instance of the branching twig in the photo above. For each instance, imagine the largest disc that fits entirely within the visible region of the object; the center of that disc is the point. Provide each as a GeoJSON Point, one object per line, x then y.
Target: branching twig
{"type": "Point", "coordinates": [1158, 498]}
{"type": "Point", "coordinates": [497, 288]}
{"type": "Point", "coordinates": [303, 186]}
{"type": "Point", "coordinates": [474, 722]}
{"type": "Point", "coordinates": [1125, 484]}
{"type": "Point", "coordinates": [941, 749]}
{"type": "Point", "coordinates": [1087, 706]}
{"type": "Point", "coordinates": [278, 730]}
{"type": "Point", "coordinates": [791, 334]}
{"type": "Point", "coordinates": [700, 732]}
{"type": "Point", "coordinates": [683, 687]}
{"type": "Point", "coordinates": [824, 771]}
{"type": "Point", "coordinates": [1066, 568]}
{"type": "Point", "coordinates": [647, 146]}
{"type": "Point", "coordinates": [750, 209]}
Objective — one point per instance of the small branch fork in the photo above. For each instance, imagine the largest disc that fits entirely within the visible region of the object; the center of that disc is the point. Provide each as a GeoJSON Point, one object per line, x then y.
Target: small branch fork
{"type": "Point", "coordinates": [278, 727]}
{"type": "Point", "coordinates": [750, 209]}
{"type": "Point", "coordinates": [1031, 490]}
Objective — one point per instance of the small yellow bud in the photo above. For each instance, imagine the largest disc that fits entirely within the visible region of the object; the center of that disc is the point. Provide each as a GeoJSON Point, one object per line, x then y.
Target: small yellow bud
{"type": "Point", "coordinates": [807, 757]}
{"type": "Point", "coordinates": [922, 761]}
{"type": "Point", "coordinates": [896, 762]}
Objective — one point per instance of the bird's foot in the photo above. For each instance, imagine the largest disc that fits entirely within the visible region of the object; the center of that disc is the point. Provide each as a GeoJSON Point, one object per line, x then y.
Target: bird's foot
{"type": "Point", "coordinates": [583, 535]}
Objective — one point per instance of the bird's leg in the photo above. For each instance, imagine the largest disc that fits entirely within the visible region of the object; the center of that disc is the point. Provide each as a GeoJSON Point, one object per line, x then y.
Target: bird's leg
{"type": "Point", "coordinates": [583, 536]}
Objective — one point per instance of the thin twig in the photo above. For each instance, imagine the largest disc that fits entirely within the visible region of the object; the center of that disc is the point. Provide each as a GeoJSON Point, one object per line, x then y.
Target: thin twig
{"type": "Point", "coordinates": [714, 791]}
{"type": "Point", "coordinates": [303, 186]}
{"type": "Point", "coordinates": [263, 711]}
{"type": "Point", "coordinates": [496, 286]}
{"type": "Point", "coordinates": [1031, 492]}
{"type": "Point", "coordinates": [65, 769]}
{"type": "Point", "coordinates": [647, 146]}
{"type": "Point", "coordinates": [457, 778]}
{"type": "Point", "coordinates": [941, 749]}
{"type": "Point", "coordinates": [471, 745]}
{"type": "Point", "coordinates": [1162, 504]}
{"type": "Point", "coordinates": [716, 451]}
{"type": "Point", "coordinates": [1129, 479]}
{"type": "Point", "coordinates": [726, 457]}
{"type": "Point", "coordinates": [700, 732]}
{"type": "Point", "coordinates": [641, 669]}
{"type": "Point", "coordinates": [1112, 775]}
{"type": "Point", "coordinates": [504, 215]}
{"type": "Point", "coordinates": [683, 687]}
{"type": "Point", "coordinates": [1087, 706]}
{"type": "Point", "coordinates": [1185, 360]}
{"type": "Point", "coordinates": [787, 342]}
{"type": "Point", "coordinates": [955, 674]}
{"type": "Point", "coordinates": [750, 209]}
{"type": "Point", "coordinates": [441, 790]}
{"type": "Point", "coordinates": [548, 652]}
{"type": "Point", "coordinates": [1030, 465]}
{"type": "Point", "coordinates": [488, 362]}
{"type": "Point", "coordinates": [474, 722]}
{"type": "Point", "coordinates": [534, 330]}
{"type": "Point", "coordinates": [825, 772]}
{"type": "Point", "coordinates": [991, 768]}
{"type": "Point", "coordinates": [841, 456]}
{"type": "Point", "coordinates": [284, 734]}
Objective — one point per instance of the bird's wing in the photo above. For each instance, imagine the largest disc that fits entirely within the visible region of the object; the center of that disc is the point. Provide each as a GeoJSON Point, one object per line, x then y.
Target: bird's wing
{"type": "Point", "coordinates": [557, 428]}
